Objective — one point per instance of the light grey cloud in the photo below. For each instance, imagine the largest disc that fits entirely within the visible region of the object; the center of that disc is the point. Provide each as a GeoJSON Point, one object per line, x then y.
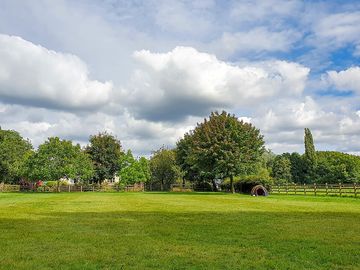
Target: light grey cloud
{"type": "Point", "coordinates": [338, 29]}
{"type": "Point", "coordinates": [185, 82]}
{"type": "Point", "coordinates": [255, 40]}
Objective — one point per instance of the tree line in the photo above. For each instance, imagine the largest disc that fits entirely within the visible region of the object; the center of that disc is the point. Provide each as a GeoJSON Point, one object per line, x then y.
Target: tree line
{"type": "Point", "coordinates": [222, 152]}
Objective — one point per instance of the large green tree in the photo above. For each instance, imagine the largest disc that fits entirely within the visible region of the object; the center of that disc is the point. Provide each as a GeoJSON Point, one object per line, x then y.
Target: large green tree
{"type": "Point", "coordinates": [183, 158]}
{"type": "Point", "coordinates": [105, 152]}
{"type": "Point", "coordinates": [14, 150]}
{"type": "Point", "coordinates": [310, 160]}
{"type": "Point", "coordinates": [222, 147]}
{"type": "Point", "coordinates": [163, 167]}
{"type": "Point", "coordinates": [281, 168]}
{"type": "Point", "coordinates": [334, 167]}
{"type": "Point", "coordinates": [56, 159]}
{"type": "Point", "coordinates": [133, 170]}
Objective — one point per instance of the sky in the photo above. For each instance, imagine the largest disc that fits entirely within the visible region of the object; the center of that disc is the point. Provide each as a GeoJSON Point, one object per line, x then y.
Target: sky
{"type": "Point", "coordinates": [148, 71]}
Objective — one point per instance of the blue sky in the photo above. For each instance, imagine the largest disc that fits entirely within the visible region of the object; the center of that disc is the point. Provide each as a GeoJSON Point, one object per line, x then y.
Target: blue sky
{"type": "Point", "coordinates": [148, 71]}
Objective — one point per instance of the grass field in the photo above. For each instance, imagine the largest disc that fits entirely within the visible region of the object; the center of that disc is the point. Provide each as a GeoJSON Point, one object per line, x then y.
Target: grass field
{"type": "Point", "coordinates": [177, 231]}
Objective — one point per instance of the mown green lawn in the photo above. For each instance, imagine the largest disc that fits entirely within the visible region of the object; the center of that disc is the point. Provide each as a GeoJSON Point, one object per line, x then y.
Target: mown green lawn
{"type": "Point", "coordinates": [178, 231]}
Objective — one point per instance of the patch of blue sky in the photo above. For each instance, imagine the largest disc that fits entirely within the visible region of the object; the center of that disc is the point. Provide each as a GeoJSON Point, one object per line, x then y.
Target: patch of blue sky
{"type": "Point", "coordinates": [344, 58]}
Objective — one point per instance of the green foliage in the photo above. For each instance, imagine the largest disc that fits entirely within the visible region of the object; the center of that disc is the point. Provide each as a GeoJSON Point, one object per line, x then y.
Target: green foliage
{"type": "Point", "coordinates": [310, 160]}
{"type": "Point", "coordinates": [335, 167]}
{"type": "Point", "coordinates": [220, 147]}
{"type": "Point", "coordinates": [56, 159]}
{"type": "Point", "coordinates": [185, 160]}
{"type": "Point", "coordinates": [245, 183]}
{"type": "Point", "coordinates": [267, 160]}
{"type": "Point", "coordinates": [281, 169]}
{"type": "Point", "coordinates": [51, 183]}
{"type": "Point", "coordinates": [297, 168]}
{"type": "Point", "coordinates": [105, 152]}
{"type": "Point", "coordinates": [132, 170]}
{"type": "Point", "coordinates": [163, 167]}
{"type": "Point", "coordinates": [14, 151]}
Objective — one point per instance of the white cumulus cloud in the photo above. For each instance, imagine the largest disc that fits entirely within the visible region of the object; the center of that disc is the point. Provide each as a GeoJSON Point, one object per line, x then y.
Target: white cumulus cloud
{"type": "Point", "coordinates": [31, 74]}
{"type": "Point", "coordinates": [186, 82]}
{"type": "Point", "coordinates": [348, 80]}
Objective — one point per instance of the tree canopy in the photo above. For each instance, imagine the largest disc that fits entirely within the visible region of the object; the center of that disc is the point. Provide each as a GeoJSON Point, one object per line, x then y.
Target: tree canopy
{"type": "Point", "coordinates": [310, 160]}
{"type": "Point", "coordinates": [14, 150]}
{"type": "Point", "coordinates": [163, 167]}
{"type": "Point", "coordinates": [105, 152]}
{"type": "Point", "coordinates": [221, 146]}
{"type": "Point", "coordinates": [56, 159]}
{"type": "Point", "coordinates": [133, 170]}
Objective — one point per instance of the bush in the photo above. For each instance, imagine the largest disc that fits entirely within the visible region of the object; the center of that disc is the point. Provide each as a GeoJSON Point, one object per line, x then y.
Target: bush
{"type": "Point", "coordinates": [51, 183]}
{"type": "Point", "coordinates": [245, 183]}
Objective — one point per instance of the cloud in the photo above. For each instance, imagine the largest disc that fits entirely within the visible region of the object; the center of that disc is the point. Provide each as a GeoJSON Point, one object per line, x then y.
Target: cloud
{"type": "Point", "coordinates": [185, 82]}
{"type": "Point", "coordinates": [345, 80]}
{"type": "Point", "coordinates": [334, 126]}
{"type": "Point", "coordinates": [337, 30]}
{"type": "Point", "coordinates": [31, 74]}
{"type": "Point", "coordinates": [256, 40]}
{"type": "Point", "coordinates": [258, 11]}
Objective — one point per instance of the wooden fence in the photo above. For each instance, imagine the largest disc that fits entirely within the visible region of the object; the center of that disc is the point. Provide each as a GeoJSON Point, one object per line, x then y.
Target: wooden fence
{"type": "Point", "coordinates": [72, 188]}
{"type": "Point", "coordinates": [317, 189]}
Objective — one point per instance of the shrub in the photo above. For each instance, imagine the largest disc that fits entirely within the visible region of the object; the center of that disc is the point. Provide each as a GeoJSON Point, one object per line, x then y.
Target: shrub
{"type": "Point", "coordinates": [245, 183]}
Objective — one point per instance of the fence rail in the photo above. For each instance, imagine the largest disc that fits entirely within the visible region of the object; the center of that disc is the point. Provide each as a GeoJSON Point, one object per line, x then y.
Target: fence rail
{"type": "Point", "coordinates": [71, 188]}
{"type": "Point", "coordinates": [317, 189]}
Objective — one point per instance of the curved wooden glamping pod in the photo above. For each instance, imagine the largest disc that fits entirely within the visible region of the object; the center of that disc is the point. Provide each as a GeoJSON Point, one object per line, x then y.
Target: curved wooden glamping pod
{"type": "Point", "coordinates": [259, 190]}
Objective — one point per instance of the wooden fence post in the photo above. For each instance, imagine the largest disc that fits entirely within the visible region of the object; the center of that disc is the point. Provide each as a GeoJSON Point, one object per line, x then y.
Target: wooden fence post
{"type": "Point", "coordinates": [326, 186]}
{"type": "Point", "coordinates": [315, 189]}
{"type": "Point", "coordinates": [304, 189]}
{"type": "Point", "coordinates": [69, 188]}
{"type": "Point", "coordinates": [278, 188]}
{"type": "Point", "coordinates": [295, 188]}
{"type": "Point", "coordinates": [340, 189]}
{"type": "Point", "coordinates": [286, 188]}
{"type": "Point", "coordinates": [93, 188]}
{"type": "Point", "coordinates": [81, 188]}
{"type": "Point", "coordinates": [355, 189]}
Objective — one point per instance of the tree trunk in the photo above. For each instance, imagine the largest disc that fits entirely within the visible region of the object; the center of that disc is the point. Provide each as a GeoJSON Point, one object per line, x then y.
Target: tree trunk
{"type": "Point", "coordinates": [162, 185]}
{"type": "Point", "coordinates": [214, 186]}
{"type": "Point", "coordinates": [232, 184]}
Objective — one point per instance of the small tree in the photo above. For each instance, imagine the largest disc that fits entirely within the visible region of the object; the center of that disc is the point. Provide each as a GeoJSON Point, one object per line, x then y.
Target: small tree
{"type": "Point", "coordinates": [105, 151]}
{"type": "Point", "coordinates": [163, 167]}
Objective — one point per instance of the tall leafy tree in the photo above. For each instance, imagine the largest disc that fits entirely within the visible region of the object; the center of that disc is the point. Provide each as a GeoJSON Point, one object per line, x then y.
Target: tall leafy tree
{"type": "Point", "coordinates": [297, 167]}
{"type": "Point", "coordinates": [281, 169]}
{"type": "Point", "coordinates": [163, 167]}
{"type": "Point", "coordinates": [183, 158]}
{"type": "Point", "coordinates": [56, 159]}
{"type": "Point", "coordinates": [310, 159]}
{"type": "Point", "coordinates": [222, 147]}
{"type": "Point", "coordinates": [133, 170]}
{"type": "Point", "coordinates": [105, 151]}
{"type": "Point", "coordinates": [334, 167]}
{"type": "Point", "coordinates": [14, 150]}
